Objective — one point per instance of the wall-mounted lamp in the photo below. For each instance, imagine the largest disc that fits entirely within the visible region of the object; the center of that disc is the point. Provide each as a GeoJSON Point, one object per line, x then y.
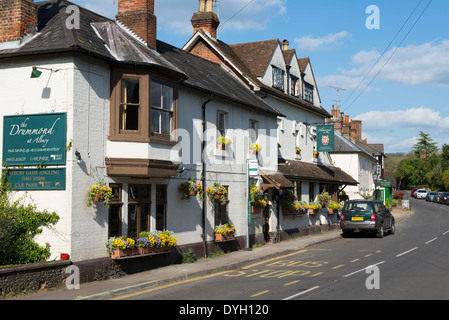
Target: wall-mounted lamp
{"type": "Point", "coordinates": [36, 73]}
{"type": "Point", "coordinates": [78, 157]}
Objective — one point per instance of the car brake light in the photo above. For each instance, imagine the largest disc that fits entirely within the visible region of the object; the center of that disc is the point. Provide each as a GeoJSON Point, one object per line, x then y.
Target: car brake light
{"type": "Point", "coordinates": [373, 217]}
{"type": "Point", "coordinates": [342, 217]}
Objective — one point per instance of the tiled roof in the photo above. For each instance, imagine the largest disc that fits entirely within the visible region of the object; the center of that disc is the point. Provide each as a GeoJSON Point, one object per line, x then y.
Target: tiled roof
{"type": "Point", "coordinates": [212, 77]}
{"type": "Point", "coordinates": [105, 39]}
{"type": "Point", "coordinates": [312, 172]}
{"type": "Point", "coordinates": [256, 55]}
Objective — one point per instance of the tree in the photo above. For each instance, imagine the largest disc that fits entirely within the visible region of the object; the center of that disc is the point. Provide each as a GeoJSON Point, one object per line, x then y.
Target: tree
{"type": "Point", "coordinates": [425, 142]}
{"type": "Point", "coordinates": [20, 223]}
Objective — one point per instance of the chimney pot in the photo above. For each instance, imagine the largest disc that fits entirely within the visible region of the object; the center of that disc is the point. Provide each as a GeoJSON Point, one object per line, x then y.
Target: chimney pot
{"type": "Point", "coordinates": [346, 119]}
{"type": "Point", "coordinates": [285, 45]}
{"type": "Point", "coordinates": [206, 19]}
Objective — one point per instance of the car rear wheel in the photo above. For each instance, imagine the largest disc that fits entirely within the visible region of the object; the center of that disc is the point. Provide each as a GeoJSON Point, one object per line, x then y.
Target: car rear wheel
{"type": "Point", "coordinates": [393, 228]}
{"type": "Point", "coordinates": [380, 232]}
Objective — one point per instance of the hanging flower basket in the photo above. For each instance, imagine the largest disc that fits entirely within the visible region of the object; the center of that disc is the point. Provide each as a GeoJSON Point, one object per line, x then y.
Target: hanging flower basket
{"type": "Point", "coordinates": [257, 199]}
{"type": "Point", "coordinates": [99, 192]}
{"type": "Point", "coordinates": [191, 188]}
{"type": "Point", "coordinates": [217, 193]}
{"type": "Point", "coordinates": [324, 198]}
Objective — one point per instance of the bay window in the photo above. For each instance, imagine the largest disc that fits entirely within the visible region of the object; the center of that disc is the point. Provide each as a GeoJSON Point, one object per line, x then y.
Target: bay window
{"type": "Point", "coordinates": [143, 108]}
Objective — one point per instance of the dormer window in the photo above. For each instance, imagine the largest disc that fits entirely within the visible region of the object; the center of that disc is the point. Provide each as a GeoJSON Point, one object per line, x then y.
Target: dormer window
{"type": "Point", "coordinates": [278, 78]}
{"type": "Point", "coordinates": [294, 81]}
{"type": "Point", "coordinates": [308, 92]}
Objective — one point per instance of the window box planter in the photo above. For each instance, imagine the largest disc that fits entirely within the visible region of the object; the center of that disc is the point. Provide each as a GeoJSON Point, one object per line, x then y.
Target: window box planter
{"type": "Point", "coordinates": [223, 238]}
{"type": "Point", "coordinates": [225, 232]}
{"type": "Point", "coordinates": [256, 210]}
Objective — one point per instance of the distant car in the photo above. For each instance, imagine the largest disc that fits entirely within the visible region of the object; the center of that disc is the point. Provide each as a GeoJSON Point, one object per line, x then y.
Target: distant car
{"type": "Point", "coordinates": [365, 216]}
{"type": "Point", "coordinates": [420, 194]}
{"type": "Point", "coordinates": [430, 195]}
{"type": "Point", "coordinates": [436, 198]}
{"type": "Point", "coordinates": [444, 198]}
{"type": "Point", "coordinates": [413, 191]}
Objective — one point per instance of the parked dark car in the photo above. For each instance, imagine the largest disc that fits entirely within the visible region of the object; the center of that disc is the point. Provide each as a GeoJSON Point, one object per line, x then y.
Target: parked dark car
{"type": "Point", "coordinates": [444, 198]}
{"type": "Point", "coordinates": [366, 216]}
{"type": "Point", "coordinates": [430, 195]}
{"type": "Point", "coordinates": [436, 198]}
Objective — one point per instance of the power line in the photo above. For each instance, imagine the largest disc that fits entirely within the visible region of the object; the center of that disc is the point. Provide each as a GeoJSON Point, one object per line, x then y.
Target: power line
{"type": "Point", "coordinates": [384, 52]}
{"type": "Point", "coordinates": [243, 8]}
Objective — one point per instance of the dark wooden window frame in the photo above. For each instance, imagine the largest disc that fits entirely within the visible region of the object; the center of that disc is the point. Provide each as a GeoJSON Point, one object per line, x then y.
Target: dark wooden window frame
{"type": "Point", "coordinates": [143, 134]}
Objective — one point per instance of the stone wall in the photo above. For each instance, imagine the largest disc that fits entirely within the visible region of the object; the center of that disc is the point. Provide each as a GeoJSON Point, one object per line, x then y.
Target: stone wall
{"type": "Point", "coordinates": [31, 277]}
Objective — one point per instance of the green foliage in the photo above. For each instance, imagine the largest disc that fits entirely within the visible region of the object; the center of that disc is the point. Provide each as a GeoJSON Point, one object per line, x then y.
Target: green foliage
{"type": "Point", "coordinates": [425, 142]}
{"type": "Point", "coordinates": [20, 223]}
{"type": "Point", "coordinates": [189, 256]}
{"type": "Point", "coordinates": [431, 172]}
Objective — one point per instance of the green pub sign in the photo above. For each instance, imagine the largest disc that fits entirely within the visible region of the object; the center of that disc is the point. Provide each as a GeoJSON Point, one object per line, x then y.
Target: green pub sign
{"type": "Point", "coordinates": [35, 139]}
{"type": "Point", "coordinates": [37, 179]}
{"type": "Point", "coordinates": [325, 137]}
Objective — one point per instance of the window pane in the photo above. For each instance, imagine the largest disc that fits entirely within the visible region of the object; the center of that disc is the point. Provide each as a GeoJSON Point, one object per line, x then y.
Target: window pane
{"type": "Point", "coordinates": [161, 202]}
{"type": "Point", "coordinates": [114, 221]}
{"type": "Point", "coordinates": [167, 98]}
{"type": "Point", "coordinates": [165, 123]}
{"type": "Point", "coordinates": [144, 218]}
{"type": "Point", "coordinates": [155, 121]}
{"type": "Point", "coordinates": [132, 221]}
{"type": "Point", "coordinates": [156, 95]}
{"type": "Point", "coordinates": [129, 117]}
{"type": "Point", "coordinates": [221, 124]}
{"type": "Point", "coordinates": [130, 91]}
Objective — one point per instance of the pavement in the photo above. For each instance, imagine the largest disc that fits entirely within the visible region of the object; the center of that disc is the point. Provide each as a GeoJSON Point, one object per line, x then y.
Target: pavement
{"type": "Point", "coordinates": [188, 271]}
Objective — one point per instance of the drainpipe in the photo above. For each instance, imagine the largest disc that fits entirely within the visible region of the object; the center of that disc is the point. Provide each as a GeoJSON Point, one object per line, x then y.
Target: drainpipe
{"type": "Point", "coordinates": [203, 173]}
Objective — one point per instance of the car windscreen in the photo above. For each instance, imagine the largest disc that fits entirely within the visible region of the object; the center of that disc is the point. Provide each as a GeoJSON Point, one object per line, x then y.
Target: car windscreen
{"type": "Point", "coordinates": [357, 207]}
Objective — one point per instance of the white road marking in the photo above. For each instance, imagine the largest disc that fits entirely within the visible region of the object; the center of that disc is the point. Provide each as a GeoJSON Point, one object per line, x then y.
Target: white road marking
{"type": "Point", "coordinates": [446, 233]}
{"type": "Point", "coordinates": [361, 270]}
{"type": "Point", "coordinates": [301, 293]}
{"type": "Point", "coordinates": [431, 240]}
{"type": "Point", "coordinates": [403, 253]}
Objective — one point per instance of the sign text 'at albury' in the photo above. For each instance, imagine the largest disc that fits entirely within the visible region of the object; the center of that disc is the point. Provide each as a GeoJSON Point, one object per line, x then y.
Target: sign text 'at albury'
{"type": "Point", "coordinates": [35, 139]}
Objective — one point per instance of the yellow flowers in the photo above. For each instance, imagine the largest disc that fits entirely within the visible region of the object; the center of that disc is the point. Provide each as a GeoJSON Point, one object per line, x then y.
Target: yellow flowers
{"type": "Point", "coordinates": [225, 229]}
{"type": "Point", "coordinates": [99, 192]}
{"type": "Point", "coordinates": [223, 141]}
{"type": "Point", "coordinates": [191, 188]}
{"type": "Point", "coordinates": [255, 147]}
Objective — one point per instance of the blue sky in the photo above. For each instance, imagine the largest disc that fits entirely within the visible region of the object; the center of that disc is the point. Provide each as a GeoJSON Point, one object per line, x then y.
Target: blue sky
{"type": "Point", "coordinates": [407, 89]}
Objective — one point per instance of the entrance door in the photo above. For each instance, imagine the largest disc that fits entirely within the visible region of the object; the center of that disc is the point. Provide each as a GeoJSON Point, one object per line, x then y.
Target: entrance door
{"type": "Point", "coordinates": [266, 224]}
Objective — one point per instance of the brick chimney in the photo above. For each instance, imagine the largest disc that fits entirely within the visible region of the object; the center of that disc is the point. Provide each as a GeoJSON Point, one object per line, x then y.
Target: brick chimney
{"type": "Point", "coordinates": [205, 19]}
{"type": "Point", "coordinates": [138, 16]}
{"type": "Point", "coordinates": [17, 19]}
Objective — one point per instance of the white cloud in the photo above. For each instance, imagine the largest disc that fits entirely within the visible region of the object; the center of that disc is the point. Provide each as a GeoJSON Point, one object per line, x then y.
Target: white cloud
{"type": "Point", "coordinates": [414, 118]}
{"type": "Point", "coordinates": [414, 65]}
{"type": "Point", "coordinates": [309, 43]}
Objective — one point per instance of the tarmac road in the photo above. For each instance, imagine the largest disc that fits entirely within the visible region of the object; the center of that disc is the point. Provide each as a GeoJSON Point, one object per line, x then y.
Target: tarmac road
{"type": "Point", "coordinates": [411, 264]}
